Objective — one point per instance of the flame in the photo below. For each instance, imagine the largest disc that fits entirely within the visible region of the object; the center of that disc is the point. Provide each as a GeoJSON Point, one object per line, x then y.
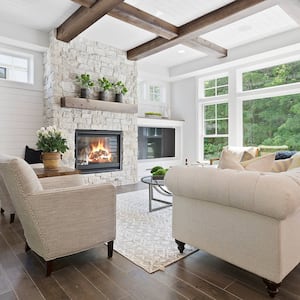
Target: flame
{"type": "Point", "coordinates": [99, 153]}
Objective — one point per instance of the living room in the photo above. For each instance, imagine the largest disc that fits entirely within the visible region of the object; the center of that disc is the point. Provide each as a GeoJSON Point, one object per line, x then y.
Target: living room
{"type": "Point", "coordinates": [179, 83]}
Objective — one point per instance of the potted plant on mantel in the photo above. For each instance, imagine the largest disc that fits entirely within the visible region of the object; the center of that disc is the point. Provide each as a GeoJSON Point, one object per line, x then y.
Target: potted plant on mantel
{"type": "Point", "coordinates": [85, 83]}
{"type": "Point", "coordinates": [53, 144]}
{"type": "Point", "coordinates": [120, 90]}
{"type": "Point", "coordinates": [104, 87]}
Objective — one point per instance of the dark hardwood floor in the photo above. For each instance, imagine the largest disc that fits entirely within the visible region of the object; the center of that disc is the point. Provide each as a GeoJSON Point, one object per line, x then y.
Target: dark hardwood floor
{"type": "Point", "coordinates": [90, 275]}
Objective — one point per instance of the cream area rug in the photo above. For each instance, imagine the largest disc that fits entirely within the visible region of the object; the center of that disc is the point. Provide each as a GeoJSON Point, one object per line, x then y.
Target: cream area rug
{"type": "Point", "coordinates": [145, 237]}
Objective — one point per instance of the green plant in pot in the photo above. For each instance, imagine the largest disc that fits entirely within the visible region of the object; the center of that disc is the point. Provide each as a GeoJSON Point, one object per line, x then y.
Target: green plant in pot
{"type": "Point", "coordinates": [158, 172]}
{"type": "Point", "coordinates": [120, 90]}
{"type": "Point", "coordinates": [104, 87]}
{"type": "Point", "coordinates": [85, 84]}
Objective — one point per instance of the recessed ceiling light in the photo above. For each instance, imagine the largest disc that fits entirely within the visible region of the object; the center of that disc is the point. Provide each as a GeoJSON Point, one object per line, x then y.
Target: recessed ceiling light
{"type": "Point", "coordinates": [181, 51]}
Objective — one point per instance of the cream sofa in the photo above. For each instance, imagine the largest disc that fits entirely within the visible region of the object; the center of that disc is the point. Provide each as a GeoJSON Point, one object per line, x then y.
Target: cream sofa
{"type": "Point", "coordinates": [59, 221]}
{"type": "Point", "coordinates": [248, 218]}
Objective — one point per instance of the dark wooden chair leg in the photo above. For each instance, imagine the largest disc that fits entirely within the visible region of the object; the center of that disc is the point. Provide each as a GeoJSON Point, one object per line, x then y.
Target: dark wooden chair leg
{"type": "Point", "coordinates": [27, 248]}
{"type": "Point", "coordinates": [110, 248]}
{"type": "Point", "coordinates": [49, 266]}
{"type": "Point", "coordinates": [2, 211]}
{"type": "Point", "coordinates": [180, 246]}
{"type": "Point", "coordinates": [12, 218]}
{"type": "Point", "coordinates": [272, 287]}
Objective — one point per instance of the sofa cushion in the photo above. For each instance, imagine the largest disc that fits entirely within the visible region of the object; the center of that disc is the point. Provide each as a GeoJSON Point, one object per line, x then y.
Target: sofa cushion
{"type": "Point", "coordinates": [262, 163]}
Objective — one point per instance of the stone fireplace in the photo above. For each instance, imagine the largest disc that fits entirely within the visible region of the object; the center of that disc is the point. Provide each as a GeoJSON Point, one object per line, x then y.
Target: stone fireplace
{"type": "Point", "coordinates": [62, 62]}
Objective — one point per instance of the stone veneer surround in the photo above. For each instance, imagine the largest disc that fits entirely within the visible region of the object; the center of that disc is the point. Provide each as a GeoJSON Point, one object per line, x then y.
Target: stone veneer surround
{"type": "Point", "coordinates": [62, 62]}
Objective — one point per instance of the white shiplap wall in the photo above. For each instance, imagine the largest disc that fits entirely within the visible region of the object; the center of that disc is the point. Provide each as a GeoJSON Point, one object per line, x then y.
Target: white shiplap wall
{"type": "Point", "coordinates": [21, 110]}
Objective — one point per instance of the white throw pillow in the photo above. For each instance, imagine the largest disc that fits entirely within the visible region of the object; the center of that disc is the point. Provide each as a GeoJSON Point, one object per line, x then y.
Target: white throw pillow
{"type": "Point", "coordinates": [262, 163]}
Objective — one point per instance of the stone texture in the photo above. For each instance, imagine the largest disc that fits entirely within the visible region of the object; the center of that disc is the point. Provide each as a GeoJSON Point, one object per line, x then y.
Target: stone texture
{"type": "Point", "coordinates": [62, 62]}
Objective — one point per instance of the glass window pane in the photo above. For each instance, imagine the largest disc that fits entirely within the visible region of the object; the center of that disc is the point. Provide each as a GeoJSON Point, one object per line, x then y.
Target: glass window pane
{"type": "Point", "coordinates": [210, 92]}
{"type": "Point", "coordinates": [20, 62]}
{"type": "Point", "coordinates": [222, 126]}
{"type": "Point", "coordinates": [222, 110]}
{"type": "Point", "coordinates": [210, 127]}
{"type": "Point", "coordinates": [222, 90]}
{"type": "Point", "coordinates": [214, 146]}
{"type": "Point", "coordinates": [272, 76]}
{"type": "Point", "coordinates": [209, 112]}
{"type": "Point", "coordinates": [272, 121]}
{"type": "Point", "coordinates": [222, 81]}
{"type": "Point", "coordinates": [19, 75]}
{"type": "Point", "coordinates": [209, 83]}
{"type": "Point", "coordinates": [5, 59]}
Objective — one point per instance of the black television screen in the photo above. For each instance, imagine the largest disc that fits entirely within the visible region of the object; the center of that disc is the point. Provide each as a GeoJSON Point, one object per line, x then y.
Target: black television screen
{"type": "Point", "coordinates": [156, 142]}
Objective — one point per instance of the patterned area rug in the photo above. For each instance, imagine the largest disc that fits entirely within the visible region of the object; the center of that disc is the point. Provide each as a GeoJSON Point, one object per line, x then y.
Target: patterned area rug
{"type": "Point", "coordinates": [145, 237]}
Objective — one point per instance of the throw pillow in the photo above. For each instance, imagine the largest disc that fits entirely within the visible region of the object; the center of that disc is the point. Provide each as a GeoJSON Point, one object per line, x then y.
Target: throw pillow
{"type": "Point", "coordinates": [262, 163]}
{"type": "Point", "coordinates": [284, 154]}
{"type": "Point", "coordinates": [281, 165]}
{"type": "Point", "coordinates": [229, 160]}
{"type": "Point", "coordinates": [295, 162]}
{"type": "Point", "coordinates": [247, 156]}
{"type": "Point", "coordinates": [32, 156]}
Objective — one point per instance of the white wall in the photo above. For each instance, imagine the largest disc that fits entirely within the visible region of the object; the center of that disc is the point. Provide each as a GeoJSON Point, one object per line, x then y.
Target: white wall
{"type": "Point", "coordinates": [183, 107]}
{"type": "Point", "coordinates": [21, 109]}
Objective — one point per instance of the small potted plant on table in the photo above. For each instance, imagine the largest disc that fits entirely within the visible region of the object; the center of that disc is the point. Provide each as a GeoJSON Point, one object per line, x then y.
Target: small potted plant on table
{"type": "Point", "coordinates": [104, 87]}
{"type": "Point", "coordinates": [85, 83]}
{"type": "Point", "coordinates": [120, 90]}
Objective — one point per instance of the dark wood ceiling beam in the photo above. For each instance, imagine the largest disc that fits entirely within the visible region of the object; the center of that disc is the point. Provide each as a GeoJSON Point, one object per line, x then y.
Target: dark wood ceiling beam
{"type": "Point", "coordinates": [141, 19]}
{"type": "Point", "coordinates": [83, 18]}
{"type": "Point", "coordinates": [85, 3]}
{"type": "Point", "coordinates": [206, 47]}
{"type": "Point", "coordinates": [223, 16]}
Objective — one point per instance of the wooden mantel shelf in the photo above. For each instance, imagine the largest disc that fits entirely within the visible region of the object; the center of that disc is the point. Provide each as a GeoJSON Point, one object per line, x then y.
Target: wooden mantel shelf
{"type": "Point", "coordinates": [82, 103]}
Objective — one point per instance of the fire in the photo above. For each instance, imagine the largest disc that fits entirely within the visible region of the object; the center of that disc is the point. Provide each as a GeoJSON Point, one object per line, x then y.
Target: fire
{"type": "Point", "coordinates": [99, 153]}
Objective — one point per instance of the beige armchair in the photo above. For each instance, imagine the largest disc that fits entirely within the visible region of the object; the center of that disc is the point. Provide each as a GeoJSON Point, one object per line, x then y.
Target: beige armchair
{"type": "Point", "coordinates": [61, 221]}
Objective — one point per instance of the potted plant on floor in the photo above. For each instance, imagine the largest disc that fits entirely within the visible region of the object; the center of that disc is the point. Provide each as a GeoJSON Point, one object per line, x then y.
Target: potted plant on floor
{"type": "Point", "coordinates": [120, 90]}
{"type": "Point", "coordinates": [104, 87]}
{"type": "Point", "coordinates": [85, 84]}
{"type": "Point", "coordinates": [53, 144]}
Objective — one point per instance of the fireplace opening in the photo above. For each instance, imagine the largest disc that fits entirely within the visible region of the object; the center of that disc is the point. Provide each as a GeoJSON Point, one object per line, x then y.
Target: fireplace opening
{"type": "Point", "coordinates": [98, 150]}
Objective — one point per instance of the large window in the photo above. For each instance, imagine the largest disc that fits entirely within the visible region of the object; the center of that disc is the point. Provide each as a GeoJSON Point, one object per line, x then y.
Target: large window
{"type": "Point", "coordinates": [272, 121]}
{"type": "Point", "coordinates": [273, 76]}
{"type": "Point", "coordinates": [15, 67]}
{"type": "Point", "coordinates": [216, 87]}
{"type": "Point", "coordinates": [215, 128]}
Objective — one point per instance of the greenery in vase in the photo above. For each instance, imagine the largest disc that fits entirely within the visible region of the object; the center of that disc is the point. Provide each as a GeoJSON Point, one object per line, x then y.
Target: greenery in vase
{"type": "Point", "coordinates": [120, 88]}
{"type": "Point", "coordinates": [51, 140]}
{"type": "Point", "coordinates": [84, 81]}
{"type": "Point", "coordinates": [104, 84]}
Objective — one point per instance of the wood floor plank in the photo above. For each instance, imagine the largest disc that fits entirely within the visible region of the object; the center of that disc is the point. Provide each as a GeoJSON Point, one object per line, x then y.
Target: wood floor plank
{"type": "Point", "coordinates": [134, 283]}
{"type": "Point", "coordinates": [5, 286]}
{"type": "Point", "coordinates": [206, 267]}
{"type": "Point", "coordinates": [180, 286]}
{"type": "Point", "coordinates": [8, 296]}
{"type": "Point", "coordinates": [21, 283]}
{"type": "Point", "coordinates": [47, 285]}
{"type": "Point", "coordinates": [111, 290]}
{"type": "Point", "coordinates": [75, 285]}
{"type": "Point", "coordinates": [200, 284]}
